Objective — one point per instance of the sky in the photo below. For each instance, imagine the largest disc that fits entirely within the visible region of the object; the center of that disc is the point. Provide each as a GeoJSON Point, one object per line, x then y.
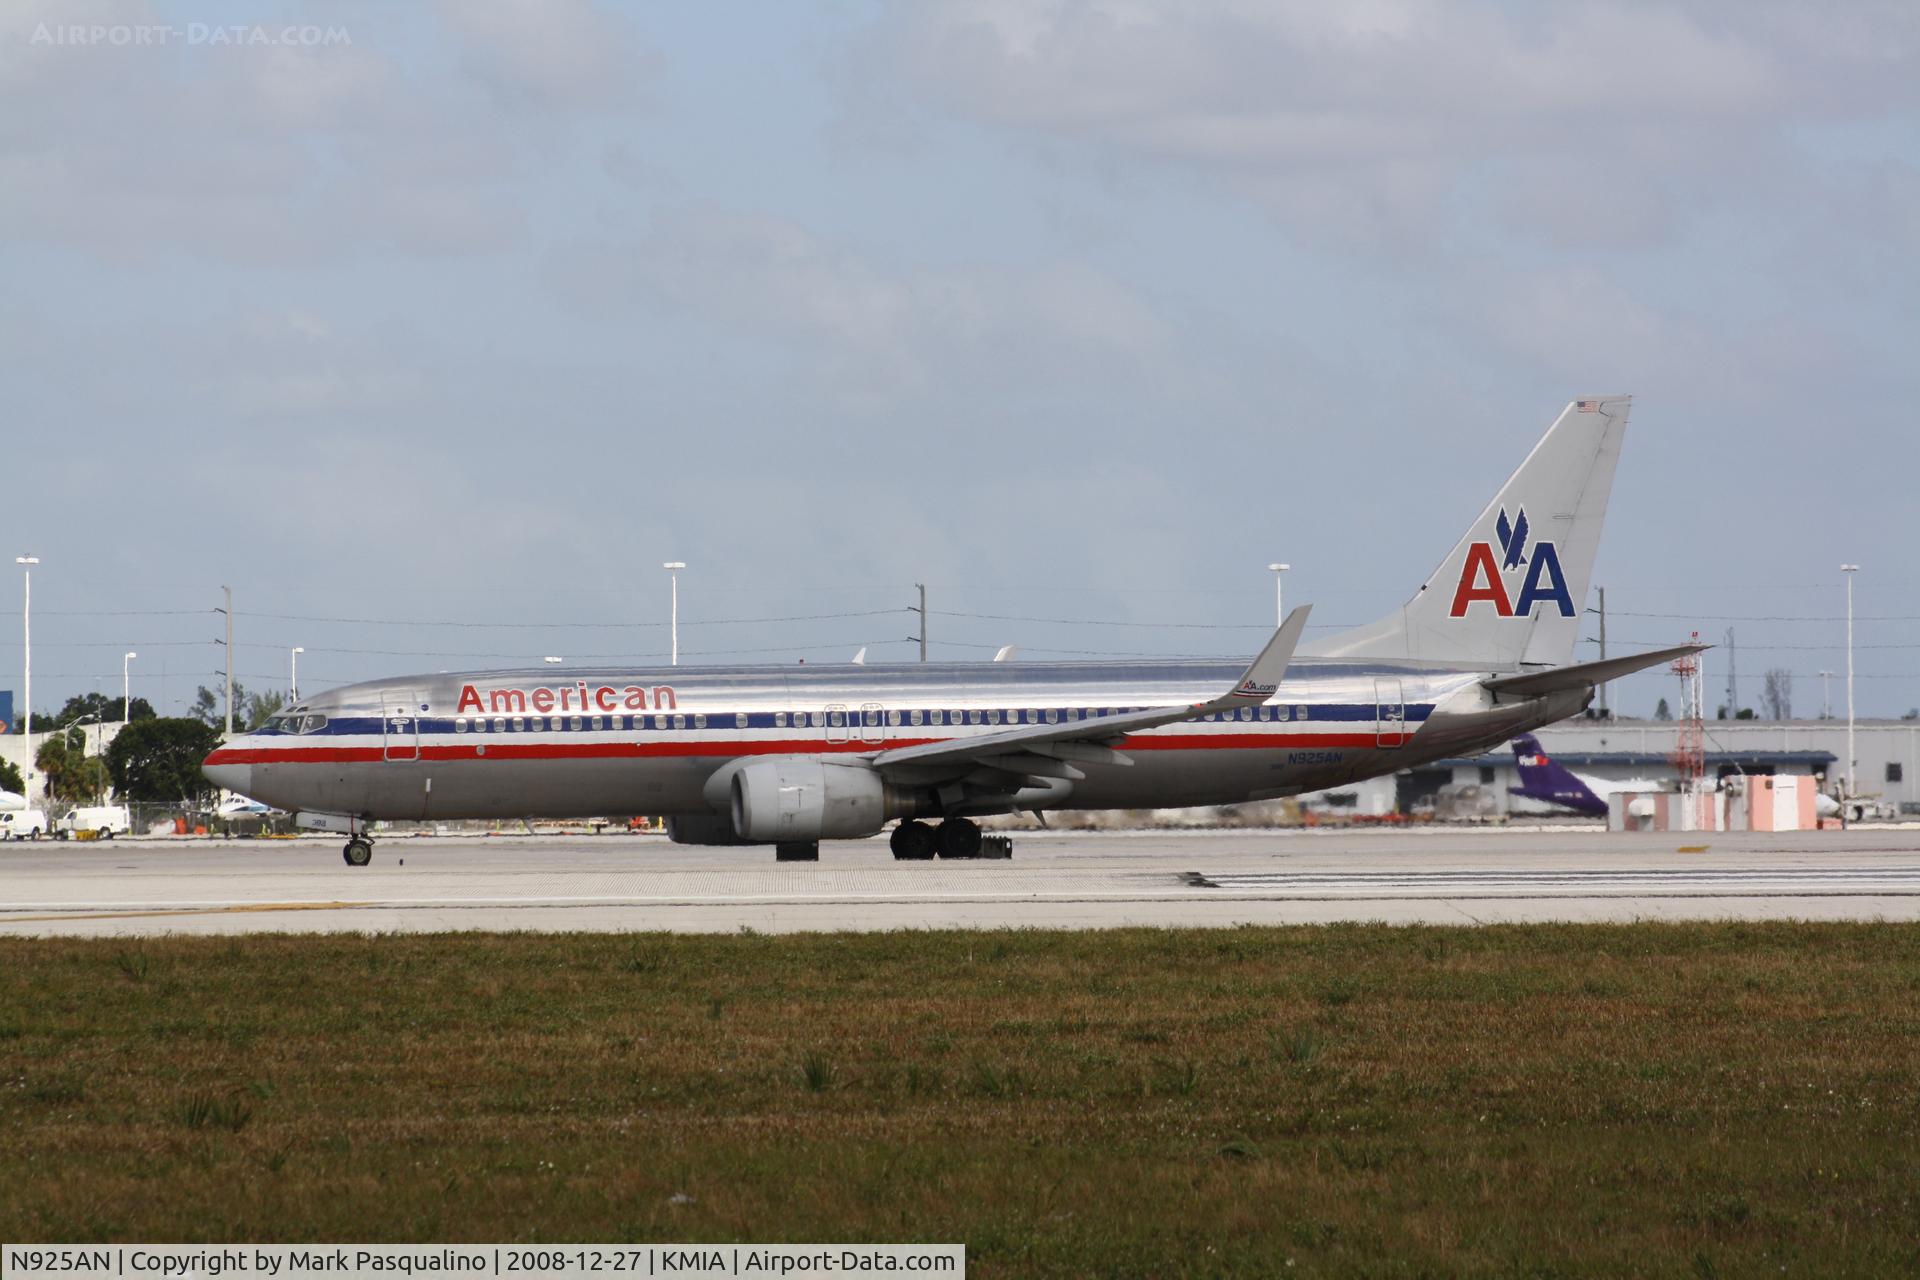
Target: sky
{"type": "Point", "coordinates": [434, 330]}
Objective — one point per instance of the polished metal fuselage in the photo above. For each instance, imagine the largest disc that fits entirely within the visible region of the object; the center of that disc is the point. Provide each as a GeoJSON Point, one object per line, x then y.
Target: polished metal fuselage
{"type": "Point", "coordinates": [609, 742]}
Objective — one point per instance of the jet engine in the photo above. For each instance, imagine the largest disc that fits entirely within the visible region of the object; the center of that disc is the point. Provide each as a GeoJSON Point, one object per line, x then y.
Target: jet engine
{"type": "Point", "coordinates": [791, 798]}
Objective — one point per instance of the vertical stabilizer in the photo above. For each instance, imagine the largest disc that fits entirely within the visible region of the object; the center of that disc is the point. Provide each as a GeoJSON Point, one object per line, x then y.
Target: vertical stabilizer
{"type": "Point", "coordinates": [1511, 591]}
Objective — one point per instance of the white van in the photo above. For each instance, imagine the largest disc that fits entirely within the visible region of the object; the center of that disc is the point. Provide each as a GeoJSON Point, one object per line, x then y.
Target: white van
{"type": "Point", "coordinates": [20, 824]}
{"type": "Point", "coordinates": [105, 820]}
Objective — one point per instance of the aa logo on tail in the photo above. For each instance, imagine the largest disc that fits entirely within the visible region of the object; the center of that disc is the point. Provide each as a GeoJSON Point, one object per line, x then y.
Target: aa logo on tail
{"type": "Point", "coordinates": [1483, 576]}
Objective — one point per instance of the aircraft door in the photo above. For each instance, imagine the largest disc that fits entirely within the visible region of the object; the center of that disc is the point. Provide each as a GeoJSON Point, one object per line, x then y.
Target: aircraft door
{"type": "Point", "coordinates": [1390, 714]}
{"type": "Point", "coordinates": [400, 724]}
{"type": "Point", "coordinates": [838, 727]}
{"type": "Point", "coordinates": [873, 722]}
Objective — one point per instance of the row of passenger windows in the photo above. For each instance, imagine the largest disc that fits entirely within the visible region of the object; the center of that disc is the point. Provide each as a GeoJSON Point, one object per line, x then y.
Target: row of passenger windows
{"type": "Point", "coordinates": [871, 718]}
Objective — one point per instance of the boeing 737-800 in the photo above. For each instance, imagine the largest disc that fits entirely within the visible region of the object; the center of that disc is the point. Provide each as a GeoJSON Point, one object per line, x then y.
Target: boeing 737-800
{"type": "Point", "coordinates": [788, 756]}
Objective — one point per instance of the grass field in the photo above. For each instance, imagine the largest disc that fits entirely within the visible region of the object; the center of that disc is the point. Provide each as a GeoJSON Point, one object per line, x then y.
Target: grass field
{"type": "Point", "coordinates": [1698, 1100]}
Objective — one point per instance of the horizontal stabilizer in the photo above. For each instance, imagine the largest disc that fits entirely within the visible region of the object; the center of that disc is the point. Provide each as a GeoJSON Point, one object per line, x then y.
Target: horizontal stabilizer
{"type": "Point", "coordinates": [1535, 684]}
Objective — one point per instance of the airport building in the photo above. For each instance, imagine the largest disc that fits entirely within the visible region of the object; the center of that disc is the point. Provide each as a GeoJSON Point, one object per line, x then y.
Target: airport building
{"type": "Point", "coordinates": [1620, 750]}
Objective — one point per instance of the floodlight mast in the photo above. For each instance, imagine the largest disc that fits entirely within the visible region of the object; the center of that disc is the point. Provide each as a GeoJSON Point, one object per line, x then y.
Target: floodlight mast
{"type": "Point", "coordinates": [673, 568]}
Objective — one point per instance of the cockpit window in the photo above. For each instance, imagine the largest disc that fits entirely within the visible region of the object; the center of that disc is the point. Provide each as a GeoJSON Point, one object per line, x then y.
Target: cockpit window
{"type": "Point", "coordinates": [312, 722]}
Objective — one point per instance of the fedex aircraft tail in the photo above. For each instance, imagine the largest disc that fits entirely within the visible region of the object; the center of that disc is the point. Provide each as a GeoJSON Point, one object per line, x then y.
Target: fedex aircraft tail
{"type": "Point", "coordinates": [1511, 591]}
{"type": "Point", "coordinates": [1544, 780]}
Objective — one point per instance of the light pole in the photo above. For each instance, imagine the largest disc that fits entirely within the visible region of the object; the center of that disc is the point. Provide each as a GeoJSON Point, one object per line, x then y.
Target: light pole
{"type": "Point", "coordinates": [293, 673]}
{"type": "Point", "coordinates": [1826, 696]}
{"type": "Point", "coordinates": [126, 688]}
{"type": "Point", "coordinates": [673, 568]}
{"type": "Point", "coordinates": [26, 676]}
{"type": "Point", "coordinates": [1850, 570]}
{"type": "Point", "coordinates": [1279, 601]}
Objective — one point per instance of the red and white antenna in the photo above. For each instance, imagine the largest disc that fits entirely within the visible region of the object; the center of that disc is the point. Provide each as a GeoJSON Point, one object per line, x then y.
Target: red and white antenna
{"type": "Point", "coordinates": [1690, 742]}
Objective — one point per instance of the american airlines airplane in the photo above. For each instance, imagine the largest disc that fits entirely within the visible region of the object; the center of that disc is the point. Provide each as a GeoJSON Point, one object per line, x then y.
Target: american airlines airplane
{"type": "Point", "coordinates": [788, 756]}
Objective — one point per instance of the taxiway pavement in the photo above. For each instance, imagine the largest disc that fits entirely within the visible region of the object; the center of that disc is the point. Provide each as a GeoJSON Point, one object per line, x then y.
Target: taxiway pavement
{"type": "Point", "coordinates": [1055, 880]}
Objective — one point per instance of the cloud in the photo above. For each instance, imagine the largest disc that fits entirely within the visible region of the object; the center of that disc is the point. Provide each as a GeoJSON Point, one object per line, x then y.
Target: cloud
{"type": "Point", "coordinates": [884, 332]}
{"type": "Point", "coordinates": [266, 154]}
{"type": "Point", "coordinates": [547, 54]}
{"type": "Point", "coordinates": [1357, 122]}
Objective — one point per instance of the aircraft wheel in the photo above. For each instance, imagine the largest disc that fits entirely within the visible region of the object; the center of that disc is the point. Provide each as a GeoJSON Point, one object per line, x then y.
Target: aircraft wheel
{"type": "Point", "coordinates": [358, 853]}
{"type": "Point", "coordinates": [913, 841]}
{"type": "Point", "coordinates": [959, 838]}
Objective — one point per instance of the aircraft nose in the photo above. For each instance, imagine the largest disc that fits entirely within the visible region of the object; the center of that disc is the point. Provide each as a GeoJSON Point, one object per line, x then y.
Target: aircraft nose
{"type": "Point", "coordinates": [222, 771]}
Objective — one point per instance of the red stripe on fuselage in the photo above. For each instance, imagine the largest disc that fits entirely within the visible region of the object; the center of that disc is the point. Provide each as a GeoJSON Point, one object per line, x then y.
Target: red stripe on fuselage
{"type": "Point", "coordinates": [505, 748]}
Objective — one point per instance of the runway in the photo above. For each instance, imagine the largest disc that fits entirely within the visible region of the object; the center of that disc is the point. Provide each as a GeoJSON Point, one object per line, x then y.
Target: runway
{"type": "Point", "coordinates": [1080, 880]}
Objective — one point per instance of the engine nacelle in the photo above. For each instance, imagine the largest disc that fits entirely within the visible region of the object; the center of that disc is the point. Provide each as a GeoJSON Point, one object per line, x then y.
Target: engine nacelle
{"type": "Point", "coordinates": [702, 829]}
{"type": "Point", "coordinates": [789, 798]}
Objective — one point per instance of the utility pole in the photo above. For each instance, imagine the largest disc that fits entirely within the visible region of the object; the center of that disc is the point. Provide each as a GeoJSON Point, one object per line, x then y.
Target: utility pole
{"type": "Point", "coordinates": [229, 612]}
{"type": "Point", "coordinates": [1733, 676]}
{"type": "Point", "coordinates": [1603, 650]}
{"type": "Point", "coordinates": [922, 588]}
{"type": "Point", "coordinates": [1850, 570]}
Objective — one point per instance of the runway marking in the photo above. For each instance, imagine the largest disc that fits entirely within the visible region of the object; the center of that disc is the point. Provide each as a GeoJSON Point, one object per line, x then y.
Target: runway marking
{"type": "Point", "coordinates": [233, 909]}
{"type": "Point", "coordinates": [1652, 881]}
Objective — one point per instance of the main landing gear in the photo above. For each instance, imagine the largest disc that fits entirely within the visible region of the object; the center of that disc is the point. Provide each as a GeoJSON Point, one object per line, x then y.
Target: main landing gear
{"type": "Point", "coordinates": [954, 838]}
{"type": "Point", "coordinates": [358, 852]}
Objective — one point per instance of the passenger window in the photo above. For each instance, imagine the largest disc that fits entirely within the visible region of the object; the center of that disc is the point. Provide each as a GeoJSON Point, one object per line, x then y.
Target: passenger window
{"type": "Point", "coordinates": [594, 723]}
{"type": "Point", "coordinates": [459, 724]}
{"type": "Point", "coordinates": [518, 724]}
{"type": "Point", "coordinates": [679, 722]}
{"type": "Point", "coordinates": [1299, 713]}
{"type": "Point", "coordinates": [1246, 713]}
{"type": "Point", "coordinates": [836, 718]}
{"type": "Point", "coordinates": [779, 719]}
{"type": "Point", "coordinates": [740, 720]}
{"type": "Point", "coordinates": [993, 717]}
{"type": "Point", "coordinates": [870, 718]}
{"type": "Point", "coordinates": [574, 723]}
{"type": "Point", "coordinates": [893, 717]}
{"type": "Point", "coordinates": [915, 717]}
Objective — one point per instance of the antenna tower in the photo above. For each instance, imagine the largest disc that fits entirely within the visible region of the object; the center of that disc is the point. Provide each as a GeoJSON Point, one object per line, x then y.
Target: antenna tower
{"type": "Point", "coordinates": [1689, 748]}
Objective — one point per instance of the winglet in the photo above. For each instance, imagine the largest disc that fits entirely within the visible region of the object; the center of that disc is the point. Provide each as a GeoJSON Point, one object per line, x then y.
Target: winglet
{"type": "Point", "coordinates": [1263, 677]}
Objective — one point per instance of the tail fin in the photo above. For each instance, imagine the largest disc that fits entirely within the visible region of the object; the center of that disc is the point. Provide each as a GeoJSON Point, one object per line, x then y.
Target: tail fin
{"type": "Point", "coordinates": [1512, 590]}
{"type": "Point", "coordinates": [1545, 780]}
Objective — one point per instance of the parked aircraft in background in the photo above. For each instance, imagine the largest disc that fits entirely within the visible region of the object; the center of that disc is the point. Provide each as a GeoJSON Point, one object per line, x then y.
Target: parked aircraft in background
{"type": "Point", "coordinates": [11, 803]}
{"type": "Point", "coordinates": [241, 807]}
{"type": "Point", "coordinates": [1544, 779]}
{"type": "Point", "coordinates": [792, 755]}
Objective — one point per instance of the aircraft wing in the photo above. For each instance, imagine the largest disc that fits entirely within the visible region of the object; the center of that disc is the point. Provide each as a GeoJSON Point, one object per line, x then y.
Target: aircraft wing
{"type": "Point", "coordinates": [1040, 748]}
{"type": "Point", "coordinates": [1534, 684]}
